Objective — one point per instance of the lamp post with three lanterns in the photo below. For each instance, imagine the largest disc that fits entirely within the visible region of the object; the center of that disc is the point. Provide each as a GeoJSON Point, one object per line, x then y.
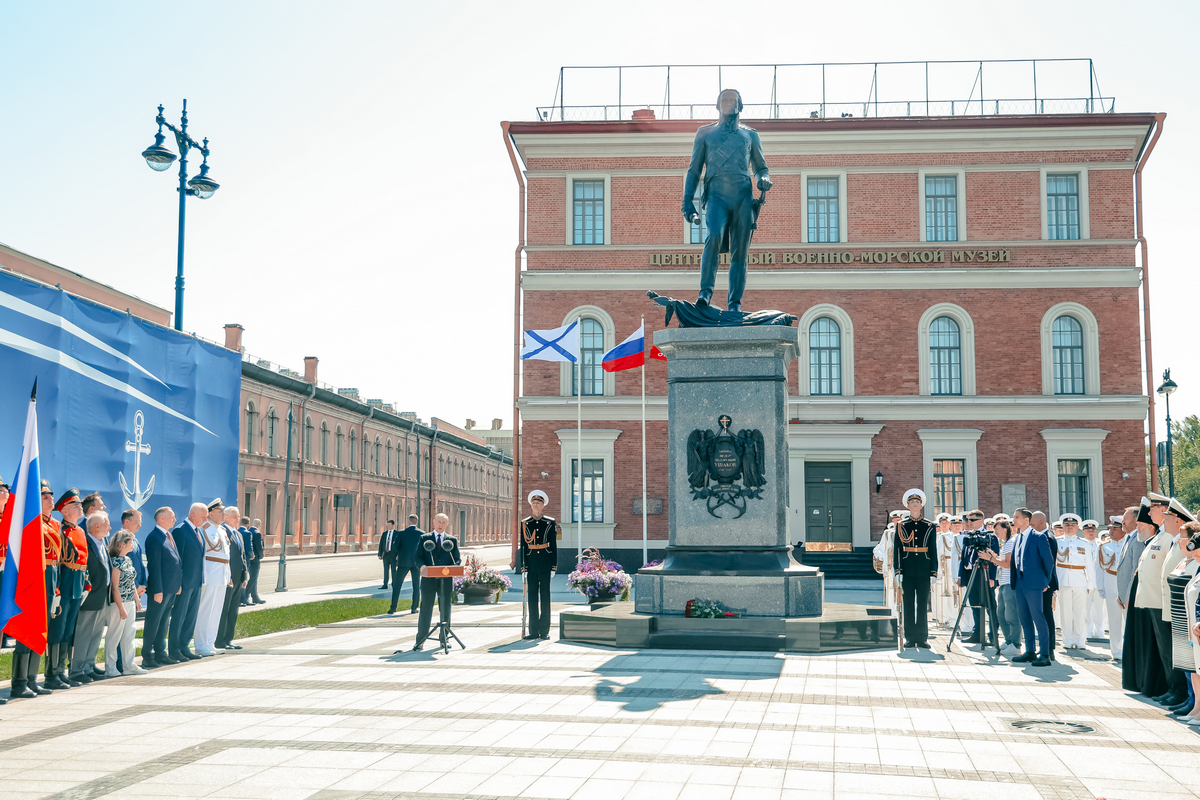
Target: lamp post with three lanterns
{"type": "Point", "coordinates": [160, 158]}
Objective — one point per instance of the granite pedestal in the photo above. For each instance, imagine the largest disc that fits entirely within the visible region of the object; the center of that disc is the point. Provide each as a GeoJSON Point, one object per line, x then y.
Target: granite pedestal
{"type": "Point", "coordinates": [733, 552]}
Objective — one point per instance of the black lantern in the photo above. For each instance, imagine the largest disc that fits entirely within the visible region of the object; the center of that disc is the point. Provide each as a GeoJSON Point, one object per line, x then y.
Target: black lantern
{"type": "Point", "coordinates": [878, 482]}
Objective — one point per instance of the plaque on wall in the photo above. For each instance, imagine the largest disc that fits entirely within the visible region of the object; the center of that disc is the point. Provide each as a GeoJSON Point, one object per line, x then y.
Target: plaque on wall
{"type": "Point", "coordinates": [654, 504]}
{"type": "Point", "coordinates": [1012, 497]}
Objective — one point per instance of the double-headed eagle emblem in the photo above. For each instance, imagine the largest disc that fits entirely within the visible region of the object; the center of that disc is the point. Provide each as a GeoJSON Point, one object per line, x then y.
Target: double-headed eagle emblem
{"type": "Point", "coordinates": [717, 461]}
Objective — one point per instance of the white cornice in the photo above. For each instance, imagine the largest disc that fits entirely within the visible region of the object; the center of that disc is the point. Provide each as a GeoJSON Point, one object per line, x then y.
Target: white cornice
{"type": "Point", "coordinates": [983, 244]}
{"type": "Point", "coordinates": [848, 279]}
{"type": "Point", "coordinates": [534, 174]}
{"type": "Point", "coordinates": [880, 408]}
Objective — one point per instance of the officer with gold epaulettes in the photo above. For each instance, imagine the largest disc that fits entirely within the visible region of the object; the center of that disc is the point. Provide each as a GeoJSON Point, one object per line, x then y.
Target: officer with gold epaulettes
{"type": "Point", "coordinates": [25, 661]}
{"type": "Point", "coordinates": [915, 551]}
{"type": "Point", "coordinates": [537, 557]}
{"type": "Point", "coordinates": [72, 578]}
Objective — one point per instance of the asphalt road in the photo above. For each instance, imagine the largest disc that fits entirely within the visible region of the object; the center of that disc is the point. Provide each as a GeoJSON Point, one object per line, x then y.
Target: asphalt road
{"type": "Point", "coordinates": [305, 573]}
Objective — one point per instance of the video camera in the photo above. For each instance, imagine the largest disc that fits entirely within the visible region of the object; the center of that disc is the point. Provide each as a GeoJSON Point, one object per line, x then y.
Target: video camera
{"type": "Point", "coordinates": [977, 540]}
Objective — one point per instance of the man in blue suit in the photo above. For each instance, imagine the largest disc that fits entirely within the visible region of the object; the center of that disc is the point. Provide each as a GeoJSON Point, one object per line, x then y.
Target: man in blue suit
{"type": "Point", "coordinates": [164, 583]}
{"type": "Point", "coordinates": [437, 549]}
{"type": "Point", "coordinates": [187, 605]}
{"type": "Point", "coordinates": [1032, 569]}
{"type": "Point", "coordinates": [254, 558]}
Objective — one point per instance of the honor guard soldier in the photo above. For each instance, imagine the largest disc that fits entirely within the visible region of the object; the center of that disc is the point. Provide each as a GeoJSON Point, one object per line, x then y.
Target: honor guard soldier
{"type": "Point", "coordinates": [916, 552]}
{"type": "Point", "coordinates": [1107, 556]}
{"type": "Point", "coordinates": [943, 606]}
{"type": "Point", "coordinates": [538, 554]}
{"type": "Point", "coordinates": [1076, 580]}
{"type": "Point", "coordinates": [1095, 605]}
{"type": "Point", "coordinates": [72, 578]}
{"type": "Point", "coordinates": [25, 661]}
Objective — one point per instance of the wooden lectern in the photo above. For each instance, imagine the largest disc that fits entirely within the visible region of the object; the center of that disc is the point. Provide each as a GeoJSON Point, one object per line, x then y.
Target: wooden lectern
{"type": "Point", "coordinates": [448, 571]}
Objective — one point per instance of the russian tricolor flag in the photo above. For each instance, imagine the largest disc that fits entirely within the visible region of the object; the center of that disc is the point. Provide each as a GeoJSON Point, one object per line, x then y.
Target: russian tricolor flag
{"type": "Point", "coordinates": [630, 353]}
{"type": "Point", "coordinates": [23, 614]}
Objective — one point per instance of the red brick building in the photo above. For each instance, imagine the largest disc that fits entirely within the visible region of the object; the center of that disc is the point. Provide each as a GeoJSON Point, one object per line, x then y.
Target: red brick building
{"type": "Point", "coordinates": [968, 297]}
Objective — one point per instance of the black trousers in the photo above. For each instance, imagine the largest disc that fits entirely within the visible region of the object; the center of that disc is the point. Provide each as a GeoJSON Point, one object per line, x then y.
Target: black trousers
{"type": "Point", "coordinates": [443, 589]}
{"type": "Point", "coordinates": [229, 614]}
{"type": "Point", "coordinates": [916, 608]}
{"type": "Point", "coordinates": [388, 563]}
{"type": "Point", "coordinates": [412, 572]}
{"type": "Point", "coordinates": [1048, 610]}
{"type": "Point", "coordinates": [1176, 679]}
{"type": "Point", "coordinates": [538, 595]}
{"type": "Point", "coordinates": [183, 621]}
{"type": "Point", "coordinates": [250, 593]}
{"type": "Point", "coordinates": [154, 634]}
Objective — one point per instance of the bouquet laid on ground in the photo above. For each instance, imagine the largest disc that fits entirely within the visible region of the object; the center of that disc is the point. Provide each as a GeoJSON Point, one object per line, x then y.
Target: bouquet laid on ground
{"type": "Point", "coordinates": [706, 609]}
{"type": "Point", "coordinates": [477, 574]}
{"type": "Point", "coordinates": [652, 564]}
{"type": "Point", "coordinates": [594, 577]}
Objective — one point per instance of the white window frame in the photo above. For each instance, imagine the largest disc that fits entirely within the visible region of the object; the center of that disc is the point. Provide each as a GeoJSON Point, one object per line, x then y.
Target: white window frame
{"type": "Point", "coordinates": [966, 340]}
{"type": "Point", "coordinates": [843, 229]}
{"type": "Point", "coordinates": [960, 177]}
{"type": "Point", "coordinates": [589, 176]}
{"type": "Point", "coordinates": [598, 443]}
{"type": "Point", "coordinates": [1085, 225]}
{"type": "Point", "coordinates": [610, 341]}
{"type": "Point", "coordinates": [838, 315]}
{"type": "Point", "coordinates": [687, 226]}
{"type": "Point", "coordinates": [1091, 347]}
{"type": "Point", "coordinates": [1084, 444]}
{"type": "Point", "coordinates": [952, 443]}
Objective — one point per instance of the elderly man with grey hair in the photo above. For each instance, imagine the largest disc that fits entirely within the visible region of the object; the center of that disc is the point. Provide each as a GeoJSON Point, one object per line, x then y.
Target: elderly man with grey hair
{"type": "Point", "coordinates": [93, 612]}
{"type": "Point", "coordinates": [239, 572]}
{"type": "Point", "coordinates": [189, 541]}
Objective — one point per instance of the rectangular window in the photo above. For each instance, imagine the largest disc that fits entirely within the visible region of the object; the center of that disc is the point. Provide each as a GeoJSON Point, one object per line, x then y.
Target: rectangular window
{"type": "Point", "coordinates": [941, 209]}
{"type": "Point", "coordinates": [1062, 206]}
{"type": "Point", "coordinates": [823, 210]}
{"type": "Point", "coordinates": [1073, 486]}
{"type": "Point", "coordinates": [593, 490]}
{"type": "Point", "coordinates": [589, 212]}
{"type": "Point", "coordinates": [698, 231]}
{"type": "Point", "coordinates": [949, 486]}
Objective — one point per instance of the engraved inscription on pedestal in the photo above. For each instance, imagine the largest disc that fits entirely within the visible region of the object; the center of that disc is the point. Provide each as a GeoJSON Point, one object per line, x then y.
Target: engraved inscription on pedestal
{"type": "Point", "coordinates": [716, 462]}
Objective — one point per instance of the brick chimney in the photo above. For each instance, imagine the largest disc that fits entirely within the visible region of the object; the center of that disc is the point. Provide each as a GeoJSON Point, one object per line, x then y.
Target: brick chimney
{"type": "Point", "coordinates": [470, 424]}
{"type": "Point", "coordinates": [643, 114]}
{"type": "Point", "coordinates": [496, 423]}
{"type": "Point", "coordinates": [233, 337]}
{"type": "Point", "coordinates": [310, 369]}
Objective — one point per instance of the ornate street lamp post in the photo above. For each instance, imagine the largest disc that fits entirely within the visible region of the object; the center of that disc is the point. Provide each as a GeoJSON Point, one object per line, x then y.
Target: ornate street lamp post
{"type": "Point", "coordinates": [160, 158]}
{"type": "Point", "coordinates": [1166, 390]}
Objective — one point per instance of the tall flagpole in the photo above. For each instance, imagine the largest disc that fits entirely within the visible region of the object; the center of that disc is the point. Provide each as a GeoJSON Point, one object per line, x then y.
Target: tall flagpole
{"type": "Point", "coordinates": [645, 510]}
{"type": "Point", "coordinates": [579, 432]}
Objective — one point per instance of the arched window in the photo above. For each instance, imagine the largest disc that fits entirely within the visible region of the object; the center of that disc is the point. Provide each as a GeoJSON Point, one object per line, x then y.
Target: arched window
{"type": "Point", "coordinates": [324, 443]}
{"type": "Point", "coordinates": [353, 449]}
{"type": "Point", "coordinates": [824, 357]}
{"type": "Point", "coordinates": [308, 433]}
{"type": "Point", "coordinates": [1068, 356]}
{"type": "Point", "coordinates": [378, 453]}
{"type": "Point", "coordinates": [945, 357]}
{"type": "Point", "coordinates": [250, 429]}
{"type": "Point", "coordinates": [271, 420]}
{"type": "Point", "coordinates": [591, 358]}
{"type": "Point", "coordinates": [389, 458]}
{"type": "Point", "coordinates": [338, 450]}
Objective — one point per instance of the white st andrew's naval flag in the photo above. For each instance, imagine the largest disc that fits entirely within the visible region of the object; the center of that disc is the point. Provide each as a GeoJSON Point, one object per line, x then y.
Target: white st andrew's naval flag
{"type": "Point", "coordinates": [560, 344]}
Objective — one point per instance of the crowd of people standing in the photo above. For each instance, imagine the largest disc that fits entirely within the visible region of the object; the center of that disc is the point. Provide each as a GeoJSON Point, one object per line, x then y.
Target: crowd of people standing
{"type": "Point", "coordinates": [190, 580]}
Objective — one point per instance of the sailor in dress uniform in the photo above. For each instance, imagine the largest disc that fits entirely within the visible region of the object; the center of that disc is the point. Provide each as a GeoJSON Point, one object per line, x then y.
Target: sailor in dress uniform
{"type": "Point", "coordinates": [216, 580]}
{"type": "Point", "coordinates": [1076, 581]}
{"type": "Point", "coordinates": [1095, 605]}
{"type": "Point", "coordinates": [943, 591]}
{"type": "Point", "coordinates": [538, 553]}
{"type": "Point", "coordinates": [915, 548]}
{"type": "Point", "coordinates": [1108, 553]}
{"type": "Point", "coordinates": [886, 558]}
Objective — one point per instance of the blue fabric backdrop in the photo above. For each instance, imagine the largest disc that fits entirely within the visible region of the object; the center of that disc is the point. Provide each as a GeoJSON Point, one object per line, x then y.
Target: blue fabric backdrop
{"type": "Point", "coordinates": [97, 370]}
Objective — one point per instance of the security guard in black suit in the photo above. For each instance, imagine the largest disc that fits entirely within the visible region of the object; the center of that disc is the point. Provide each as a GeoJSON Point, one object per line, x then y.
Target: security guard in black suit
{"type": "Point", "coordinates": [915, 550]}
{"type": "Point", "coordinates": [406, 563]}
{"type": "Point", "coordinates": [437, 549]}
{"type": "Point", "coordinates": [538, 554]}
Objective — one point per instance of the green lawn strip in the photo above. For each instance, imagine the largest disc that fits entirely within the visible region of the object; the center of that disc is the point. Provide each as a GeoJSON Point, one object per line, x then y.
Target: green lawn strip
{"type": "Point", "coordinates": [287, 618]}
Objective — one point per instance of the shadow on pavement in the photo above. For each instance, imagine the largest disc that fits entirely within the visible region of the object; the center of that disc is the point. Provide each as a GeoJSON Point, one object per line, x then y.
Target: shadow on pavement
{"type": "Point", "coordinates": [662, 679]}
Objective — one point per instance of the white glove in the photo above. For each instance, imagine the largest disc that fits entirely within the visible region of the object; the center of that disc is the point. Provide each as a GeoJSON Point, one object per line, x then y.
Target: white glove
{"type": "Point", "coordinates": [899, 579]}
{"type": "Point", "coordinates": [1103, 596]}
{"type": "Point", "coordinates": [56, 606]}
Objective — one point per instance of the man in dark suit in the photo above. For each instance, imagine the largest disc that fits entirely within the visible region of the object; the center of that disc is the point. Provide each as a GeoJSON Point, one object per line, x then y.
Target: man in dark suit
{"type": "Point", "coordinates": [164, 583]}
{"type": "Point", "coordinates": [438, 549]}
{"type": "Point", "coordinates": [1031, 573]}
{"type": "Point", "coordinates": [187, 604]}
{"type": "Point", "coordinates": [254, 558]}
{"type": "Point", "coordinates": [93, 611]}
{"type": "Point", "coordinates": [406, 563]}
{"type": "Point", "coordinates": [239, 572]}
{"type": "Point", "coordinates": [385, 552]}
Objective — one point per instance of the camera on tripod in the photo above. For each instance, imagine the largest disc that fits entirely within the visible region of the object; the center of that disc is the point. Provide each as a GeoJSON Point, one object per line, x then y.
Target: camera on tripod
{"type": "Point", "coordinates": [977, 540]}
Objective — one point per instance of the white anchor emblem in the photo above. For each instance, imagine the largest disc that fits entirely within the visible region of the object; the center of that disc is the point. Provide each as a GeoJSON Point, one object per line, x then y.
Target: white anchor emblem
{"type": "Point", "coordinates": [137, 497]}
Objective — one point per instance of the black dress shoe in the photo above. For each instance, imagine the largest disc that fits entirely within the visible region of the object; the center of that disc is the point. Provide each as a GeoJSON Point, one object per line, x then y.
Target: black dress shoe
{"type": "Point", "coordinates": [193, 656]}
{"type": "Point", "coordinates": [1041, 662]}
{"type": "Point", "coordinates": [83, 678]}
{"type": "Point", "coordinates": [23, 693]}
{"type": "Point", "coordinates": [1183, 708]}
{"type": "Point", "coordinates": [924, 645]}
{"type": "Point", "coordinates": [40, 689]}
{"type": "Point", "coordinates": [971, 640]}
{"type": "Point", "coordinates": [260, 602]}
{"type": "Point", "coordinates": [417, 648]}
{"type": "Point", "coordinates": [1024, 658]}
{"type": "Point", "coordinates": [909, 644]}
{"type": "Point", "coordinates": [1175, 700]}
{"type": "Point", "coordinates": [233, 647]}
{"type": "Point", "coordinates": [73, 681]}
{"type": "Point", "coordinates": [544, 636]}
{"type": "Point", "coordinates": [383, 587]}
{"type": "Point", "coordinates": [54, 683]}
{"type": "Point", "coordinates": [149, 663]}
{"type": "Point", "coordinates": [1160, 698]}
{"type": "Point", "coordinates": [530, 636]}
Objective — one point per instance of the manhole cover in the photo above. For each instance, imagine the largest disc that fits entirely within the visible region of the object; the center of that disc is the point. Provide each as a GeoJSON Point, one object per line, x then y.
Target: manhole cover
{"type": "Point", "coordinates": [1051, 726]}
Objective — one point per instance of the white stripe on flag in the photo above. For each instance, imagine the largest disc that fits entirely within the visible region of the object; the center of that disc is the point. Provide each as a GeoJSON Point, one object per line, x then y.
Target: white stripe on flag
{"type": "Point", "coordinates": [559, 344]}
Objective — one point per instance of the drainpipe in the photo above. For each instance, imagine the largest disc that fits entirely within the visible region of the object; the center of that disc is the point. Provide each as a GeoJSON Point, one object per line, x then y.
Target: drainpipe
{"type": "Point", "coordinates": [1141, 237]}
{"type": "Point", "coordinates": [516, 509]}
{"type": "Point", "coordinates": [406, 435]}
{"type": "Point", "coordinates": [312, 391]}
{"type": "Point", "coordinates": [362, 475]}
{"type": "Point", "coordinates": [432, 475]}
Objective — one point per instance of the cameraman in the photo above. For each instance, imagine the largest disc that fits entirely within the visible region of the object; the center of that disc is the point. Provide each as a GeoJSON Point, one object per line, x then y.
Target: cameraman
{"type": "Point", "coordinates": [1006, 602]}
{"type": "Point", "coordinates": [976, 541]}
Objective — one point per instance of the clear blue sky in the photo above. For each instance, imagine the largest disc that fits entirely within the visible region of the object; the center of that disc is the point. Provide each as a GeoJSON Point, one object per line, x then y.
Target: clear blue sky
{"type": "Point", "coordinates": [367, 213]}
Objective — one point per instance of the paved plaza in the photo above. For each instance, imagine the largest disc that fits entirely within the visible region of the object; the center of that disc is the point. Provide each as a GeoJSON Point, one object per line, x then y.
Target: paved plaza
{"type": "Point", "coordinates": [330, 713]}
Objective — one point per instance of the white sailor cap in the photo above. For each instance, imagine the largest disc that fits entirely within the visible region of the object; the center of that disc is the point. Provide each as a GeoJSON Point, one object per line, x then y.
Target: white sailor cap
{"type": "Point", "coordinates": [943, 517]}
{"type": "Point", "coordinates": [1002, 518]}
{"type": "Point", "coordinates": [1070, 518]}
{"type": "Point", "coordinates": [989, 521]}
{"type": "Point", "coordinates": [538, 493]}
{"type": "Point", "coordinates": [913, 493]}
{"type": "Point", "coordinates": [900, 512]}
{"type": "Point", "coordinates": [1091, 523]}
{"type": "Point", "coordinates": [1177, 509]}
{"type": "Point", "coordinates": [956, 518]}
{"type": "Point", "coordinates": [1117, 519]}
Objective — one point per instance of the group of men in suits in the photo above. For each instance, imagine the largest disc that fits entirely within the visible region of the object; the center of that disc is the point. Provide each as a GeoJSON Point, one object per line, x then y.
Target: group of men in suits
{"type": "Point", "coordinates": [400, 553]}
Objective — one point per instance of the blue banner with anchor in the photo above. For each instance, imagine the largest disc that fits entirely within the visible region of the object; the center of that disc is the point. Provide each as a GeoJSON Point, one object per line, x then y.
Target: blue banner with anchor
{"type": "Point", "coordinates": [145, 415]}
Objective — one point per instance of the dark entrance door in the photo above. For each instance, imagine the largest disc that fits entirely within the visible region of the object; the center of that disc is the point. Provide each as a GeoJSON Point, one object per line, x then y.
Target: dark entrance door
{"type": "Point", "coordinates": [827, 506]}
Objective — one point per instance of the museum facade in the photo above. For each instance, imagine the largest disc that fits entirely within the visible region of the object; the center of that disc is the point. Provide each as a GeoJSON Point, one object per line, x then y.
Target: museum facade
{"type": "Point", "coordinates": [968, 301]}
